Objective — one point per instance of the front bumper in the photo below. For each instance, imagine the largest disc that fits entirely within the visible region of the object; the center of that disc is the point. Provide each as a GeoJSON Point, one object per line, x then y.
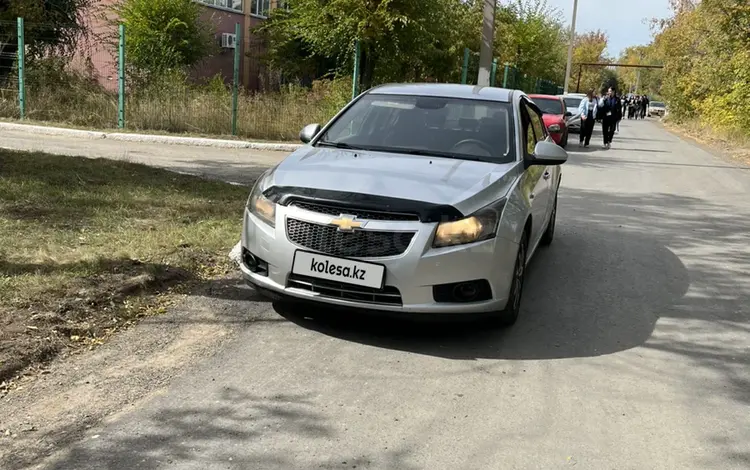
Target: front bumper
{"type": "Point", "coordinates": [557, 137]}
{"type": "Point", "coordinates": [574, 125]}
{"type": "Point", "coordinates": [413, 273]}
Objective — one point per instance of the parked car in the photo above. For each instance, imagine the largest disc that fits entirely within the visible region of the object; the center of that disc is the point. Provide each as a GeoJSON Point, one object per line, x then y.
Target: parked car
{"type": "Point", "coordinates": [555, 117]}
{"type": "Point", "coordinates": [572, 101]}
{"type": "Point", "coordinates": [413, 199]}
{"type": "Point", "coordinates": [656, 108]}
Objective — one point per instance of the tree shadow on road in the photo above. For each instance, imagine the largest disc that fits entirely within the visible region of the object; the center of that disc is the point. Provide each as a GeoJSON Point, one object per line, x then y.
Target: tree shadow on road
{"type": "Point", "coordinates": [225, 433]}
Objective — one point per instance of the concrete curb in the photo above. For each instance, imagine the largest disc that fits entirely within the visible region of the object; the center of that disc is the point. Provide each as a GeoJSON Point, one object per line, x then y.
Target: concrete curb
{"type": "Point", "coordinates": [152, 139]}
{"type": "Point", "coordinates": [11, 126]}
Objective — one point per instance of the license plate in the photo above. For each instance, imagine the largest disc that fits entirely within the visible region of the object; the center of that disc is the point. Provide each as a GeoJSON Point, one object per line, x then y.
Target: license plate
{"type": "Point", "coordinates": [342, 270]}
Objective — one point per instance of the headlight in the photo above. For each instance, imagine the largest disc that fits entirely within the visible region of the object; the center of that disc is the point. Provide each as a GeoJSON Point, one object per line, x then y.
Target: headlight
{"type": "Point", "coordinates": [554, 128]}
{"type": "Point", "coordinates": [260, 206]}
{"type": "Point", "coordinates": [478, 227]}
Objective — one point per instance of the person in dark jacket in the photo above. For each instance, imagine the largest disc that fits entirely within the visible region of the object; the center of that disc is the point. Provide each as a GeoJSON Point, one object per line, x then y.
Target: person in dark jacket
{"type": "Point", "coordinates": [608, 110]}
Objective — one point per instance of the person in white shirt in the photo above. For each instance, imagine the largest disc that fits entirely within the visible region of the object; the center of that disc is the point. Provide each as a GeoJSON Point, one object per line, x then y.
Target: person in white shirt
{"type": "Point", "coordinates": [587, 111]}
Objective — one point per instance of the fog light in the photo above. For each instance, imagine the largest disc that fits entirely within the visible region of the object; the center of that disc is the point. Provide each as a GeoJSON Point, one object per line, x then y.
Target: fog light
{"type": "Point", "coordinates": [465, 292]}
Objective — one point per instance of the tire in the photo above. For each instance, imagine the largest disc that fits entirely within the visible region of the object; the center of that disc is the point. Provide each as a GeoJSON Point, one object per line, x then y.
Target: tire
{"type": "Point", "coordinates": [549, 233]}
{"type": "Point", "coordinates": [509, 315]}
{"type": "Point", "coordinates": [564, 142]}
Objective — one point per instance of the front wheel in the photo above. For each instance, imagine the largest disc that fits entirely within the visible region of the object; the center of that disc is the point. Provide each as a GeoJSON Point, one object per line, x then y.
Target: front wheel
{"type": "Point", "coordinates": [508, 316]}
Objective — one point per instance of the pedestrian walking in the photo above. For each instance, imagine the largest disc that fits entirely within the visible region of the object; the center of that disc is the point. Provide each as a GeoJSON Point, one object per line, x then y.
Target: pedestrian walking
{"type": "Point", "coordinates": [587, 110]}
{"type": "Point", "coordinates": [618, 113]}
{"type": "Point", "coordinates": [644, 106]}
{"type": "Point", "coordinates": [608, 111]}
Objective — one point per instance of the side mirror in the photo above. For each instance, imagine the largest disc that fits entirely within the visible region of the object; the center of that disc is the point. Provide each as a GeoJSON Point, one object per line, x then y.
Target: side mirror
{"type": "Point", "coordinates": [548, 153]}
{"type": "Point", "coordinates": [568, 114]}
{"type": "Point", "coordinates": [308, 132]}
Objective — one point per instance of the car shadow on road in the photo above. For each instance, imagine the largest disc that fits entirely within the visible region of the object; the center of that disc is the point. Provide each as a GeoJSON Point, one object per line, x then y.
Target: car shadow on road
{"type": "Point", "coordinates": [609, 277]}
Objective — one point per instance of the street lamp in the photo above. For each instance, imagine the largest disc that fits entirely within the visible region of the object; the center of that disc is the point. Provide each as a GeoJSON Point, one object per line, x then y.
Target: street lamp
{"type": "Point", "coordinates": [570, 46]}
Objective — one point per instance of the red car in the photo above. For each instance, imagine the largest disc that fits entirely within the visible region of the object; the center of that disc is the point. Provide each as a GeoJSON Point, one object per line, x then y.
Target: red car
{"type": "Point", "coordinates": [555, 116]}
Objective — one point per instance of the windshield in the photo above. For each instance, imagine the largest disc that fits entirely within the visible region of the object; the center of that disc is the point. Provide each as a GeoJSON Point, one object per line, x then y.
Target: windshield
{"type": "Point", "coordinates": [430, 126]}
{"type": "Point", "coordinates": [572, 102]}
{"type": "Point", "coordinates": [549, 105]}
{"type": "Point", "coordinates": [657, 104]}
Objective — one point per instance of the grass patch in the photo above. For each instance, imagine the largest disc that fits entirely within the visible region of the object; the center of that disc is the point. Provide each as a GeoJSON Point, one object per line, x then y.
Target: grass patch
{"type": "Point", "coordinates": [87, 246]}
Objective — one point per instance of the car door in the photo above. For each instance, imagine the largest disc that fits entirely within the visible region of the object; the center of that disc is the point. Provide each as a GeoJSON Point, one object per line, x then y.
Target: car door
{"type": "Point", "coordinates": [539, 175]}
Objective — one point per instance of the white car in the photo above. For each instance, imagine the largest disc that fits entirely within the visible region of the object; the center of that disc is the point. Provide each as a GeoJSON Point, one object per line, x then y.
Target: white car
{"type": "Point", "coordinates": [418, 199]}
{"type": "Point", "coordinates": [657, 108]}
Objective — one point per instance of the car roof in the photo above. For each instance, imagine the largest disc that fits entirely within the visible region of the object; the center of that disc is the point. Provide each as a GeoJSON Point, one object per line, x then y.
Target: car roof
{"type": "Point", "coordinates": [446, 90]}
{"type": "Point", "coordinates": [537, 95]}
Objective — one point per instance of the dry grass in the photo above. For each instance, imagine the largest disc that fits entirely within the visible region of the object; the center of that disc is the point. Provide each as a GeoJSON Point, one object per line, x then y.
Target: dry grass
{"type": "Point", "coordinates": [56, 94]}
{"type": "Point", "coordinates": [88, 246]}
{"type": "Point", "coordinates": [735, 144]}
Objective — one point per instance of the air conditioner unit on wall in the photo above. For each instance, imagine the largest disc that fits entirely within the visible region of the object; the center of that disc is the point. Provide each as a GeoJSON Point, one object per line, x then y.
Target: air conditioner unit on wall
{"type": "Point", "coordinates": [228, 41]}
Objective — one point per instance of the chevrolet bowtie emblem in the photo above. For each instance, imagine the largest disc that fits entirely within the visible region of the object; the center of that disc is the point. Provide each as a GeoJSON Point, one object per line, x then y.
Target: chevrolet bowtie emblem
{"type": "Point", "coordinates": [347, 223]}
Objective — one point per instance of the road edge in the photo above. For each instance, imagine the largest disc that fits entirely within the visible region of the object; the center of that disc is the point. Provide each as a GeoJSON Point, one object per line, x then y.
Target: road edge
{"type": "Point", "coordinates": [151, 139]}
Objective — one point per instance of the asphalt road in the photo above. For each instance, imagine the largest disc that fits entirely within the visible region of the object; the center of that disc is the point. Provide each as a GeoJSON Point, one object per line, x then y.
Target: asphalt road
{"type": "Point", "coordinates": [632, 352]}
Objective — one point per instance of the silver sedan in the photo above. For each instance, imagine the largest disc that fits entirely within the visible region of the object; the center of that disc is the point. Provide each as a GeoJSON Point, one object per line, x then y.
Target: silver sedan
{"type": "Point", "coordinates": [415, 199]}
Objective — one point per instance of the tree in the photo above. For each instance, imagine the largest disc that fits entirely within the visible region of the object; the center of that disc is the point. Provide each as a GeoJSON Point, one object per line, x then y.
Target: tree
{"type": "Point", "coordinates": [589, 48]}
{"type": "Point", "coordinates": [49, 24]}
{"type": "Point", "coordinates": [164, 35]}
{"type": "Point", "coordinates": [530, 35]}
{"type": "Point", "coordinates": [398, 38]}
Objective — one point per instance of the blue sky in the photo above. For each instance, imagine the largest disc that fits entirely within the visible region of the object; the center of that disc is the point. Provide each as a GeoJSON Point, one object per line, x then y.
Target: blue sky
{"type": "Point", "coordinates": [622, 20]}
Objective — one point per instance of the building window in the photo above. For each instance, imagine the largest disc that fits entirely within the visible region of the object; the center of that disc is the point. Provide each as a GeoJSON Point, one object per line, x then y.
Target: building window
{"type": "Point", "coordinates": [235, 5]}
{"type": "Point", "coordinates": [260, 7]}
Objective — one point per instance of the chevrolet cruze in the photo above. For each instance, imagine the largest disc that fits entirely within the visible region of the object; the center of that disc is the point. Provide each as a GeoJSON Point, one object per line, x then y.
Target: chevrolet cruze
{"type": "Point", "coordinates": [414, 199]}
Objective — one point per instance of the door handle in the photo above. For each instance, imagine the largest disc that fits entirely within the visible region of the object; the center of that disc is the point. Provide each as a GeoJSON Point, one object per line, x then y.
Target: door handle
{"type": "Point", "coordinates": [546, 175]}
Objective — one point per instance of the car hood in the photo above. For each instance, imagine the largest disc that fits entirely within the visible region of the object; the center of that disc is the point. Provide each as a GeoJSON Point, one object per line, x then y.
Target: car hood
{"type": "Point", "coordinates": [462, 184]}
{"type": "Point", "coordinates": [550, 119]}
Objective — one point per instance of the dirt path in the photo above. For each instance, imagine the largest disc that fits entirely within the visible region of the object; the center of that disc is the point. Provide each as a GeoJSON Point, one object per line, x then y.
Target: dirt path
{"type": "Point", "coordinates": [52, 409]}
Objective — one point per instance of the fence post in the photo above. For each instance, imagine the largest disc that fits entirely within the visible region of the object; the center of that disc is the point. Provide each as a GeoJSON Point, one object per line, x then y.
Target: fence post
{"type": "Point", "coordinates": [21, 69]}
{"type": "Point", "coordinates": [236, 76]}
{"type": "Point", "coordinates": [505, 75]}
{"type": "Point", "coordinates": [121, 79]}
{"type": "Point", "coordinates": [355, 73]}
{"type": "Point", "coordinates": [465, 66]}
{"type": "Point", "coordinates": [493, 72]}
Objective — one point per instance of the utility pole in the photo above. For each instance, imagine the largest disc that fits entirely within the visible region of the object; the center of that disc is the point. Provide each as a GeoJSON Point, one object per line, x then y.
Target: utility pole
{"type": "Point", "coordinates": [486, 46]}
{"type": "Point", "coordinates": [570, 46]}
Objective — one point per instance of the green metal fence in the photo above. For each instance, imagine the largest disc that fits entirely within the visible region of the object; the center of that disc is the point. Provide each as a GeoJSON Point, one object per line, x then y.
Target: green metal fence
{"type": "Point", "coordinates": [94, 87]}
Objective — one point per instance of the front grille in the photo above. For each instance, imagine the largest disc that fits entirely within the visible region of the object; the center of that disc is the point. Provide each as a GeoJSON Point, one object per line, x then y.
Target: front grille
{"type": "Point", "coordinates": [388, 296]}
{"type": "Point", "coordinates": [358, 213]}
{"type": "Point", "coordinates": [358, 244]}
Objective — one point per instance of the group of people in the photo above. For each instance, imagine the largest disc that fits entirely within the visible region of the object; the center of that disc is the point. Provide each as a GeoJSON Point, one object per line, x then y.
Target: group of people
{"type": "Point", "coordinates": [610, 109]}
{"type": "Point", "coordinates": [635, 106]}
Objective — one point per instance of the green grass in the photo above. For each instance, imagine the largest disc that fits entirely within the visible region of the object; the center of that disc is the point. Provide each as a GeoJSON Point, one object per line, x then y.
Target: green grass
{"type": "Point", "coordinates": [87, 246]}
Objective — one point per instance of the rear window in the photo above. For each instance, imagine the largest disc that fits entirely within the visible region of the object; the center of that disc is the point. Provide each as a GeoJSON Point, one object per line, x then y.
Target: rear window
{"type": "Point", "coordinates": [572, 102]}
{"type": "Point", "coordinates": [549, 105]}
{"type": "Point", "coordinates": [657, 104]}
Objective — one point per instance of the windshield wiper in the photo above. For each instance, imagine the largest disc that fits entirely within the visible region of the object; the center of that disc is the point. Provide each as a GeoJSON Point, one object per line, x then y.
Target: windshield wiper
{"type": "Point", "coordinates": [432, 153]}
{"type": "Point", "coordinates": [339, 145]}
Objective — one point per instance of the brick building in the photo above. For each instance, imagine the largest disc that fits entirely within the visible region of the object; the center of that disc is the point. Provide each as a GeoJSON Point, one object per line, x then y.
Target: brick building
{"type": "Point", "coordinates": [100, 55]}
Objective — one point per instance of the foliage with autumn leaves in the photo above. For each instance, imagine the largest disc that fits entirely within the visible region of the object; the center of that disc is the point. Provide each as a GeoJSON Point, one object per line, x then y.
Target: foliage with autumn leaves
{"type": "Point", "coordinates": [705, 50]}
